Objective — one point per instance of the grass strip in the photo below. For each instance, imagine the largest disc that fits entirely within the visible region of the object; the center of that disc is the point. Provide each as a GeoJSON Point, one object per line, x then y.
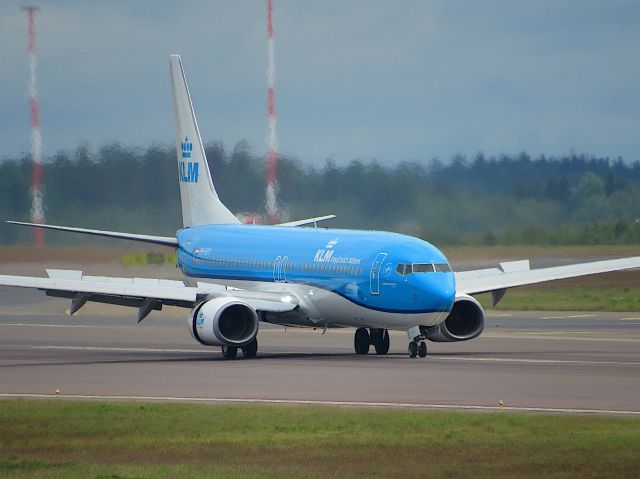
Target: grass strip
{"type": "Point", "coordinates": [60, 438]}
{"type": "Point", "coordinates": [568, 299]}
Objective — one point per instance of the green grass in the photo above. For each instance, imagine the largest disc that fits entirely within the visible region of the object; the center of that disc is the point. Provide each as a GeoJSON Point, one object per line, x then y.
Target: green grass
{"type": "Point", "coordinates": [61, 438]}
{"type": "Point", "coordinates": [568, 299]}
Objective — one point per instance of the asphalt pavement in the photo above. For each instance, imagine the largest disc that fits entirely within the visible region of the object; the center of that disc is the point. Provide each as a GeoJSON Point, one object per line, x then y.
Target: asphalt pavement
{"type": "Point", "coordinates": [546, 361]}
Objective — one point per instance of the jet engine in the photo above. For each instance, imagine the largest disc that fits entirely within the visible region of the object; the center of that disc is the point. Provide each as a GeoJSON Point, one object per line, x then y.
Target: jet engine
{"type": "Point", "coordinates": [223, 322]}
{"type": "Point", "coordinates": [465, 321]}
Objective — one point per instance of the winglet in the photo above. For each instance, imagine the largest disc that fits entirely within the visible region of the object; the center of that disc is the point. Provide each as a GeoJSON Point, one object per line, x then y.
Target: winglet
{"type": "Point", "coordinates": [515, 266]}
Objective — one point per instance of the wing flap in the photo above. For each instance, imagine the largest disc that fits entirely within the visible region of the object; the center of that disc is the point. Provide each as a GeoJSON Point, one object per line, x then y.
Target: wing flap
{"type": "Point", "coordinates": [145, 293]}
{"type": "Point", "coordinates": [493, 279]}
{"type": "Point", "coordinates": [114, 288]}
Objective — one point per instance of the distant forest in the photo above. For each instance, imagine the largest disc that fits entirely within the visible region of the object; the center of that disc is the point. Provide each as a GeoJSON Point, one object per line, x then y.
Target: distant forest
{"type": "Point", "coordinates": [575, 199]}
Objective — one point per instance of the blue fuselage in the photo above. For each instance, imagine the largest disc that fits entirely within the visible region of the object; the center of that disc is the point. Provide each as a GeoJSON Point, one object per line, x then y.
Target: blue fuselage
{"type": "Point", "coordinates": [368, 268]}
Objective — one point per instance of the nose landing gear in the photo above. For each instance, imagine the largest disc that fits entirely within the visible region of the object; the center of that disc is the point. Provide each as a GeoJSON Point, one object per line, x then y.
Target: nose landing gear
{"type": "Point", "coordinates": [417, 347]}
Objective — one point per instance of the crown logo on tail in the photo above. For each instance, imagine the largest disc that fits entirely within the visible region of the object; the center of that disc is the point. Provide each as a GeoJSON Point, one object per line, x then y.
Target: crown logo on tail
{"type": "Point", "coordinates": [187, 147]}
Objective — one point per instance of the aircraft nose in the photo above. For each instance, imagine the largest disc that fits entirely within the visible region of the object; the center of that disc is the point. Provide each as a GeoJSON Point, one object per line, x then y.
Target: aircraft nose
{"type": "Point", "coordinates": [439, 290]}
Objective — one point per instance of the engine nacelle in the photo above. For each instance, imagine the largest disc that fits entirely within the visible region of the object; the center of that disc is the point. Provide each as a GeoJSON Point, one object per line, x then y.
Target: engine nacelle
{"type": "Point", "coordinates": [465, 321]}
{"type": "Point", "coordinates": [223, 322]}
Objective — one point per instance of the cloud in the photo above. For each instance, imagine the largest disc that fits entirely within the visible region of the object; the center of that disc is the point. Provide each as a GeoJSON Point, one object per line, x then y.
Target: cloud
{"type": "Point", "coordinates": [355, 79]}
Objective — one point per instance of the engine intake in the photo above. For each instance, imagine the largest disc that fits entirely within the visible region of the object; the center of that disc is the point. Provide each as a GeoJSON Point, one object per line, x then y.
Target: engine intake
{"type": "Point", "coordinates": [465, 321]}
{"type": "Point", "coordinates": [223, 322]}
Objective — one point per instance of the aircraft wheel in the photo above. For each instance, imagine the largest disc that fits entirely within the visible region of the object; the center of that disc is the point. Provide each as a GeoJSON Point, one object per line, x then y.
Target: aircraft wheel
{"type": "Point", "coordinates": [361, 341]}
{"type": "Point", "coordinates": [250, 350]}
{"type": "Point", "coordinates": [422, 350]}
{"type": "Point", "coordinates": [413, 349]}
{"type": "Point", "coordinates": [382, 342]}
{"type": "Point", "coordinates": [229, 352]}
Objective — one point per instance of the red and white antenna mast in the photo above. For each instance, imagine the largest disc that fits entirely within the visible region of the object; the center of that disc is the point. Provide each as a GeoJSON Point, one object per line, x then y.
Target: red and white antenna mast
{"type": "Point", "coordinates": [37, 203]}
{"type": "Point", "coordinates": [271, 203]}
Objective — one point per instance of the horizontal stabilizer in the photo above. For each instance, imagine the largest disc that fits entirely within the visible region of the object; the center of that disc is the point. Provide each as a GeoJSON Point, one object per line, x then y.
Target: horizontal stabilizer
{"type": "Point", "coordinates": [163, 240]}
{"type": "Point", "coordinates": [308, 221]}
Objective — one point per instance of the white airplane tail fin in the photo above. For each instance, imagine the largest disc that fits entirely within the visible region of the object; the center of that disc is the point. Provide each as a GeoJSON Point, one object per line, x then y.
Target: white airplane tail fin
{"type": "Point", "coordinates": [200, 202]}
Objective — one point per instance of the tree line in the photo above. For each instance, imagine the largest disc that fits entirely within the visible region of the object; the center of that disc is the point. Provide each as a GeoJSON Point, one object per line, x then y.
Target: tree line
{"type": "Point", "coordinates": [508, 199]}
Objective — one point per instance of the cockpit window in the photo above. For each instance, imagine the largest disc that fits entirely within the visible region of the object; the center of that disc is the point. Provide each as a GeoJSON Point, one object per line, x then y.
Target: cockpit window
{"type": "Point", "coordinates": [423, 268]}
{"type": "Point", "coordinates": [403, 269]}
{"type": "Point", "coordinates": [442, 268]}
{"type": "Point", "coordinates": [407, 269]}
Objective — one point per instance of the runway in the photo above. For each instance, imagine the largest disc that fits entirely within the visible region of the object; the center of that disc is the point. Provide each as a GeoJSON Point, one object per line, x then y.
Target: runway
{"type": "Point", "coordinates": [583, 362]}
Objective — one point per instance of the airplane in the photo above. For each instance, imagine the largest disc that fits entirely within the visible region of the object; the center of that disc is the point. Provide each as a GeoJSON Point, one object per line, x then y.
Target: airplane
{"type": "Point", "coordinates": [239, 275]}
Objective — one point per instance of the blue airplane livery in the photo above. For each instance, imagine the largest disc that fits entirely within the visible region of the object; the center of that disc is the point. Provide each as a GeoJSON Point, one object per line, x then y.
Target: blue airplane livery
{"type": "Point", "coordinates": [238, 276]}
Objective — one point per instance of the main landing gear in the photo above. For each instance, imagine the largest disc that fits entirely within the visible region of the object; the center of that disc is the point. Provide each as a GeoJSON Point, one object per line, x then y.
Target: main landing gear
{"type": "Point", "coordinates": [417, 347]}
{"type": "Point", "coordinates": [248, 350]}
{"type": "Point", "coordinates": [377, 337]}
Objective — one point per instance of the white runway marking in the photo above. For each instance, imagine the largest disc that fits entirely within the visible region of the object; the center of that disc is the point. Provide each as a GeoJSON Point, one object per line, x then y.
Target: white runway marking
{"type": "Point", "coordinates": [433, 357]}
{"type": "Point", "coordinates": [322, 403]}
{"type": "Point", "coordinates": [533, 361]}
{"type": "Point", "coordinates": [525, 335]}
{"type": "Point", "coordinates": [125, 350]}
{"type": "Point", "coordinates": [574, 316]}
{"type": "Point", "coordinates": [63, 325]}
{"type": "Point", "coordinates": [113, 326]}
{"type": "Point", "coordinates": [22, 312]}
{"type": "Point", "coordinates": [214, 351]}
{"type": "Point", "coordinates": [560, 332]}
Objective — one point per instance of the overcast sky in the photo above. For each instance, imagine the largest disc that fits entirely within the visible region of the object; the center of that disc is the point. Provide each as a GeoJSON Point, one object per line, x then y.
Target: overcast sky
{"type": "Point", "coordinates": [392, 80]}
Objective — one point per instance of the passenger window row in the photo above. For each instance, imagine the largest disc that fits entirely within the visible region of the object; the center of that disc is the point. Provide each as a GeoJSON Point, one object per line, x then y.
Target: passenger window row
{"type": "Point", "coordinates": [327, 268]}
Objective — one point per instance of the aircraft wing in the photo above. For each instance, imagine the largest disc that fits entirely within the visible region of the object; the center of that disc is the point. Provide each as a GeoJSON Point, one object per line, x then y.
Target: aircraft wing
{"type": "Point", "coordinates": [143, 293]}
{"type": "Point", "coordinates": [519, 273]}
